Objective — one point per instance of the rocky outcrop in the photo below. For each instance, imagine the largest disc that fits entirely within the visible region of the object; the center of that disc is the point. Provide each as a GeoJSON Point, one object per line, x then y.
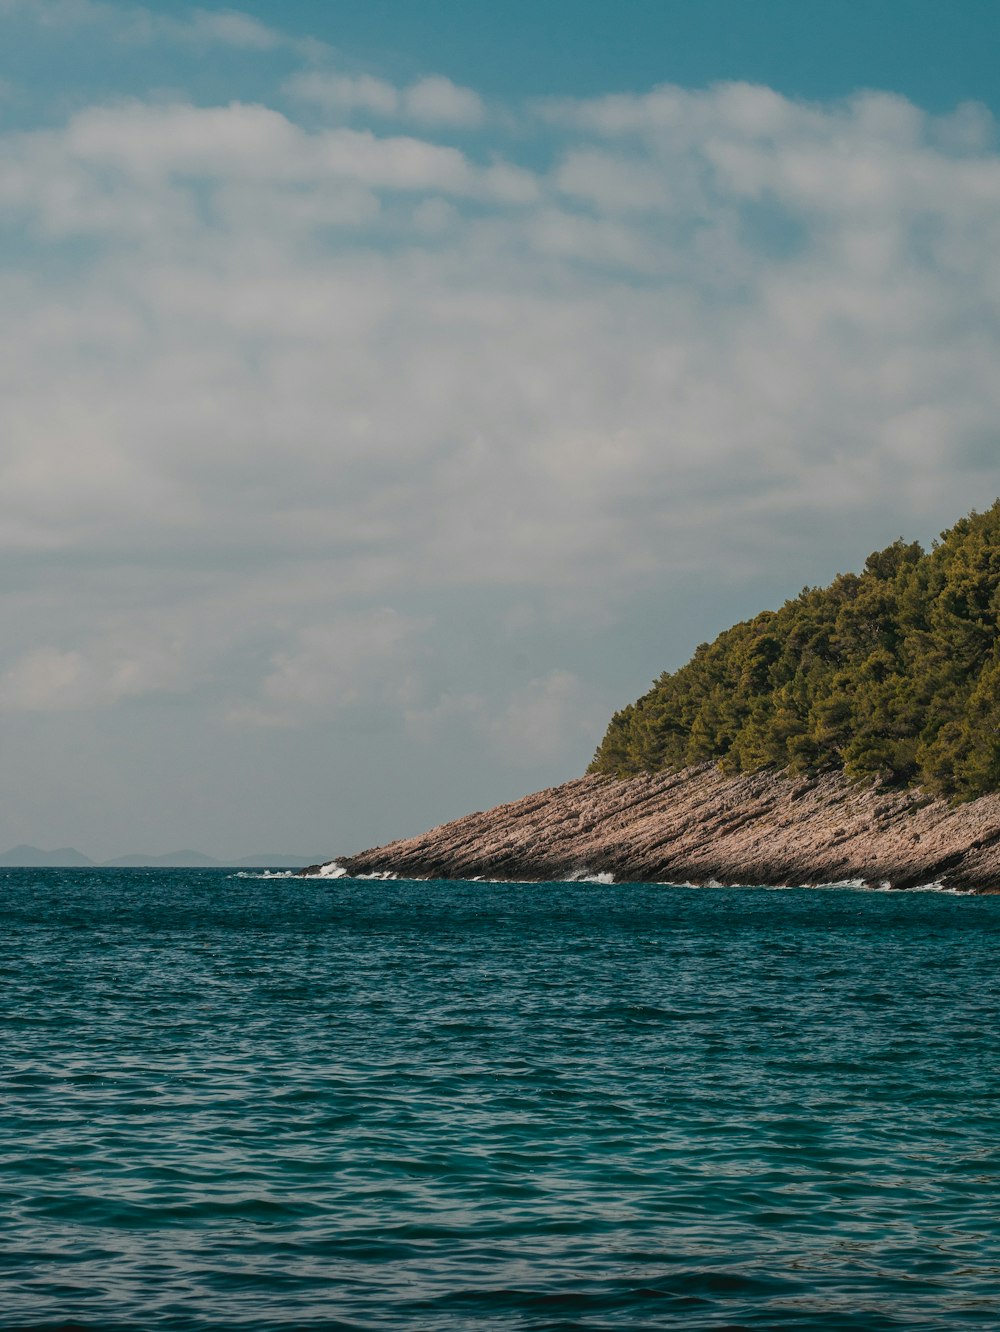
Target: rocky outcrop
{"type": "Point", "coordinates": [699, 826]}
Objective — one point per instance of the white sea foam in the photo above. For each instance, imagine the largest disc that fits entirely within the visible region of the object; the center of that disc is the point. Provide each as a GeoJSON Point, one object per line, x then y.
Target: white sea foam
{"type": "Point", "coordinates": [590, 876]}
{"type": "Point", "coordinates": [936, 886]}
{"type": "Point", "coordinates": [762, 887]}
{"type": "Point", "coordinates": [264, 874]}
{"type": "Point", "coordinates": [330, 871]}
{"type": "Point", "coordinates": [333, 870]}
{"type": "Point", "coordinates": [716, 883]}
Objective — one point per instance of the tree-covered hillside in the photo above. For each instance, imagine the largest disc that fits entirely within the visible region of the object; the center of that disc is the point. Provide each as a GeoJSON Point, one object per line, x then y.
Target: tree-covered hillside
{"type": "Point", "coordinates": [893, 673]}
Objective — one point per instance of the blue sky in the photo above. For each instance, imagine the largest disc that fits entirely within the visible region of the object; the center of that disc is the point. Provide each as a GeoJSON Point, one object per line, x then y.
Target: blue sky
{"type": "Point", "coordinates": [391, 391]}
{"type": "Point", "coordinates": [933, 52]}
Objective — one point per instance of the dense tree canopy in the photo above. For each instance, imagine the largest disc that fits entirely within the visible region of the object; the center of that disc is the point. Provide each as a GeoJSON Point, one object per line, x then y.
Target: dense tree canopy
{"type": "Point", "coordinates": [893, 673]}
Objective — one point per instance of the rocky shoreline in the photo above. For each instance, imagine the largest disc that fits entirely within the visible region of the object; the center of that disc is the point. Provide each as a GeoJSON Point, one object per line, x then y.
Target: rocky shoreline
{"type": "Point", "coordinates": [700, 826]}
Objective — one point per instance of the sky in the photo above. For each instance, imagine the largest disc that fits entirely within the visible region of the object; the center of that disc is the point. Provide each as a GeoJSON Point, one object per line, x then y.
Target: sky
{"type": "Point", "coordinates": [391, 391]}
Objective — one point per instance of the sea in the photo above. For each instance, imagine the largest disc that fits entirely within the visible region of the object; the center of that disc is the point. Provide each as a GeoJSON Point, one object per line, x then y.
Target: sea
{"type": "Point", "coordinates": [246, 1101]}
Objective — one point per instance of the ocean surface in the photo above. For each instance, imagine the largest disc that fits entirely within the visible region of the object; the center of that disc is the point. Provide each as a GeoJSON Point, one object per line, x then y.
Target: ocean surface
{"type": "Point", "coordinates": [243, 1102]}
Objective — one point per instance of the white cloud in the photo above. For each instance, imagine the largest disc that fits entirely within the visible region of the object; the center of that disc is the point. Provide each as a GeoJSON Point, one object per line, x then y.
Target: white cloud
{"type": "Point", "coordinates": [438, 101]}
{"type": "Point", "coordinates": [48, 679]}
{"type": "Point", "coordinates": [544, 719]}
{"type": "Point", "coordinates": [431, 101]}
{"type": "Point", "coordinates": [44, 680]}
{"type": "Point", "coordinates": [259, 381]}
{"type": "Point", "coordinates": [359, 657]}
{"type": "Point", "coordinates": [136, 167]}
{"type": "Point", "coordinates": [680, 115]}
{"type": "Point", "coordinates": [612, 183]}
{"type": "Point", "coordinates": [541, 722]}
{"type": "Point", "coordinates": [134, 24]}
{"type": "Point", "coordinates": [236, 140]}
{"type": "Point", "coordinates": [230, 28]}
{"type": "Point", "coordinates": [345, 92]}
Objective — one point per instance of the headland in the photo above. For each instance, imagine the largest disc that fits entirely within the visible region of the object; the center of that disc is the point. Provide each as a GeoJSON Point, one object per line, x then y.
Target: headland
{"type": "Point", "coordinates": [700, 826]}
{"type": "Point", "coordinates": [852, 735]}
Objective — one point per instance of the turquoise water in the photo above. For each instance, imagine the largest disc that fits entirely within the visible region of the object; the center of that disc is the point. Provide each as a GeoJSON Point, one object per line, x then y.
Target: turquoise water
{"type": "Point", "coordinates": [236, 1102]}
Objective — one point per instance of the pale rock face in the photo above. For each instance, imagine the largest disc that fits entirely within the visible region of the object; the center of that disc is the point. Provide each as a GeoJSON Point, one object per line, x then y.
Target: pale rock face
{"type": "Point", "coordinates": [699, 826]}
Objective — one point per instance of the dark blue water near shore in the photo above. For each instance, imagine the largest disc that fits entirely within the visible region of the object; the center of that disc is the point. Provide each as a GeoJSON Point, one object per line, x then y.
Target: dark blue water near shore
{"type": "Point", "coordinates": [282, 1103]}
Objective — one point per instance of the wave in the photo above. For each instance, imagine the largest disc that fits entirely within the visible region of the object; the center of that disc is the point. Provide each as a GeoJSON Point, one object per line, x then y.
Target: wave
{"type": "Point", "coordinates": [263, 874]}
{"type": "Point", "coordinates": [334, 870]}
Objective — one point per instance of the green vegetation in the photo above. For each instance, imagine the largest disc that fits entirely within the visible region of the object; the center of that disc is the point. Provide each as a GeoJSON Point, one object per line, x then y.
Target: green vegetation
{"type": "Point", "coordinates": [891, 674]}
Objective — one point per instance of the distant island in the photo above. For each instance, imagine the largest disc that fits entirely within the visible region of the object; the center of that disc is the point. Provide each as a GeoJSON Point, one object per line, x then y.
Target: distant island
{"type": "Point", "coordinates": [853, 735]}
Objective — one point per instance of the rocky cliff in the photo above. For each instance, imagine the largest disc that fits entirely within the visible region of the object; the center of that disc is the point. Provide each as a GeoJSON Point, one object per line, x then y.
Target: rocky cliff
{"type": "Point", "coordinates": [699, 826]}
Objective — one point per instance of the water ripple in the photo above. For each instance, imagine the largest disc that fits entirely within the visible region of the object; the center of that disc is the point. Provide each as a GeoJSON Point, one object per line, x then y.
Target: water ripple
{"type": "Point", "coordinates": [249, 1103]}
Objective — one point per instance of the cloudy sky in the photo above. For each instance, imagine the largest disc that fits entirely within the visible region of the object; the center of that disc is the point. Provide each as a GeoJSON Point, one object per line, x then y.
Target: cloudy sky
{"type": "Point", "coordinates": [390, 391]}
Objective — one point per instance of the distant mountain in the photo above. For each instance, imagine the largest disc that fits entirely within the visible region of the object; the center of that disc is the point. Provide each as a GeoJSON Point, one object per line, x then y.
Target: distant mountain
{"type": "Point", "coordinates": [273, 861]}
{"type": "Point", "coordinates": [172, 860]}
{"type": "Point", "coordinates": [32, 857]}
{"type": "Point", "coordinates": [67, 857]}
{"type": "Point", "coordinates": [196, 860]}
